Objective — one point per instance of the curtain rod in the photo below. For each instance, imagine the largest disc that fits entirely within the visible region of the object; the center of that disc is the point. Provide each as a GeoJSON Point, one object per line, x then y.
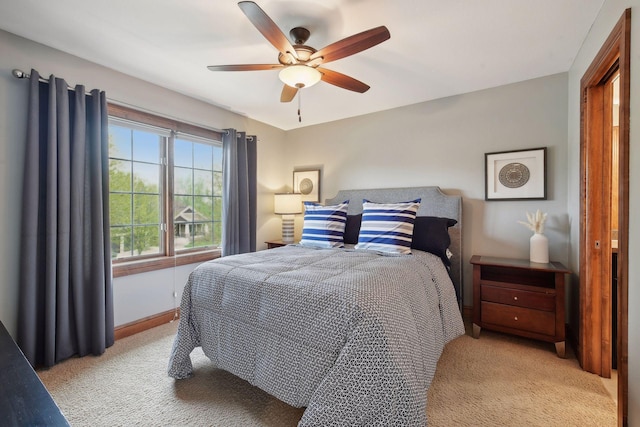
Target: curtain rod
{"type": "Point", "coordinates": [22, 75]}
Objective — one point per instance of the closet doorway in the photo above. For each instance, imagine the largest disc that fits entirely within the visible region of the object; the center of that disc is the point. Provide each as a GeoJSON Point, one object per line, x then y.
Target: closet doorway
{"type": "Point", "coordinates": [604, 211]}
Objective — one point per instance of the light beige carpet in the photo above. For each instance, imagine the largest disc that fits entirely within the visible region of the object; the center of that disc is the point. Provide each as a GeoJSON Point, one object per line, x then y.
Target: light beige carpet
{"type": "Point", "coordinates": [497, 380]}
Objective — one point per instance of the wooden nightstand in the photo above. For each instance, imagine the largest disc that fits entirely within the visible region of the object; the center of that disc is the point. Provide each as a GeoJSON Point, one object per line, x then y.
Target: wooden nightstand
{"type": "Point", "coordinates": [519, 297]}
{"type": "Point", "coordinates": [275, 244]}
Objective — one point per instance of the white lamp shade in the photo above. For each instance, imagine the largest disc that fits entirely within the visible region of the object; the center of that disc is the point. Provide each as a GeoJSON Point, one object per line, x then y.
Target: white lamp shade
{"type": "Point", "coordinates": [300, 76]}
{"type": "Point", "coordinates": [287, 203]}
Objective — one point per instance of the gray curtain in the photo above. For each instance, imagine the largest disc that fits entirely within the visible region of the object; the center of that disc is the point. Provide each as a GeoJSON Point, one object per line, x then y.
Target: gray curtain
{"type": "Point", "coordinates": [65, 298]}
{"type": "Point", "coordinates": [239, 193]}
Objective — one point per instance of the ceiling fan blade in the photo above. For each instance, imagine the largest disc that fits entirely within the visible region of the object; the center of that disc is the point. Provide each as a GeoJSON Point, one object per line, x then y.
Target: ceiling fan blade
{"type": "Point", "coordinates": [342, 80]}
{"type": "Point", "coordinates": [267, 27]}
{"type": "Point", "coordinates": [354, 44]}
{"type": "Point", "coordinates": [244, 67]}
{"type": "Point", "coordinates": [288, 93]}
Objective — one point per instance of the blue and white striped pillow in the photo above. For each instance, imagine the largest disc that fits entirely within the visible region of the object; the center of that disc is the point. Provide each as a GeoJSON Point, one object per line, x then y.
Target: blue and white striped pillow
{"type": "Point", "coordinates": [324, 225]}
{"type": "Point", "coordinates": [387, 227]}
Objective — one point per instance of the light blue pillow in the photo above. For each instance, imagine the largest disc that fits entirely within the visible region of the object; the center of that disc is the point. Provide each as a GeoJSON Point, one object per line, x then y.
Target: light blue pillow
{"type": "Point", "coordinates": [324, 225]}
{"type": "Point", "coordinates": [387, 227]}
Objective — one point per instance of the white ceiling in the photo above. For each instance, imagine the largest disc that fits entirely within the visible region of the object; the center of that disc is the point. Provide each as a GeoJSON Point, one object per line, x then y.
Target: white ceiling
{"type": "Point", "coordinates": [438, 48]}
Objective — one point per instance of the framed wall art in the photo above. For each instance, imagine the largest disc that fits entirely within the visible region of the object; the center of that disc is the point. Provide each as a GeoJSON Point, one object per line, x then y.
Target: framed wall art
{"type": "Point", "coordinates": [516, 175]}
{"type": "Point", "coordinates": [307, 183]}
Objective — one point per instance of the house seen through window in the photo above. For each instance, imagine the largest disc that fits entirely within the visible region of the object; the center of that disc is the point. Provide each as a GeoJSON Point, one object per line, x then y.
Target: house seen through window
{"type": "Point", "coordinates": [165, 191]}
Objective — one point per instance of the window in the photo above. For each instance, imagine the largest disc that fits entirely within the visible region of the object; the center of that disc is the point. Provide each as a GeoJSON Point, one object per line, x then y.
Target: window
{"type": "Point", "coordinates": [165, 194]}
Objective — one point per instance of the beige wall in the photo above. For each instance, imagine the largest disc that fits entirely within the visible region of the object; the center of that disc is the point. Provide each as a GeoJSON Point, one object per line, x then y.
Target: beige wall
{"type": "Point", "coordinates": [443, 143]}
{"type": "Point", "coordinates": [610, 14]}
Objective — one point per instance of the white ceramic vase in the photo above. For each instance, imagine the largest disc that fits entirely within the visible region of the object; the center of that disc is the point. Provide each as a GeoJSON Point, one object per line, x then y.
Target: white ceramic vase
{"type": "Point", "coordinates": [539, 248]}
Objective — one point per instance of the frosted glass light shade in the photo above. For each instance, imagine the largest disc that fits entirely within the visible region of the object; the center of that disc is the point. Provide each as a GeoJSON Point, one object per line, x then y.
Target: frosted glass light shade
{"type": "Point", "coordinates": [299, 76]}
{"type": "Point", "coordinates": [287, 203]}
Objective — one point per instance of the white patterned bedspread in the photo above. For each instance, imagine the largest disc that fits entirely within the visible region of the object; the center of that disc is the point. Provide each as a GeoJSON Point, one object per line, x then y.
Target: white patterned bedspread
{"type": "Point", "coordinates": [354, 336]}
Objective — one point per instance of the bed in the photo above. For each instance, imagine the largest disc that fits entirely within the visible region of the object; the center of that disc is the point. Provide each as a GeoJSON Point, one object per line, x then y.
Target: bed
{"type": "Point", "coordinates": [353, 335]}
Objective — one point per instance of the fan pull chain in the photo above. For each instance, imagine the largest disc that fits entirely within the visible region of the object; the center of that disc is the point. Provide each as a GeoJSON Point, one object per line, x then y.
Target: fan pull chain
{"type": "Point", "coordinates": [299, 105]}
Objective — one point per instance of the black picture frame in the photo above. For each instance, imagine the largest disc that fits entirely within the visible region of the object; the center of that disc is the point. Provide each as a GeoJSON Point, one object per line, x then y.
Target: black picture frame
{"type": "Point", "coordinates": [516, 175]}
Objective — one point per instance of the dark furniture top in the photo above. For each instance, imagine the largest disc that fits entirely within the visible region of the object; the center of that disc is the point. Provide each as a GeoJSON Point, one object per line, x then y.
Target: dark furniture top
{"type": "Point", "coordinates": [551, 267]}
{"type": "Point", "coordinates": [275, 244]}
{"type": "Point", "coordinates": [24, 401]}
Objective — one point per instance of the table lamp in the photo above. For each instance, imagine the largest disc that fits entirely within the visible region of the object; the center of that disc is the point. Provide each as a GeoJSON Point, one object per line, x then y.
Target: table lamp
{"type": "Point", "coordinates": [287, 205]}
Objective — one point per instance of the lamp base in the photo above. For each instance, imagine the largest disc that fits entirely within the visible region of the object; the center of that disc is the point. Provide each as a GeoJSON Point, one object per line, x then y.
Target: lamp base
{"type": "Point", "coordinates": [287, 228]}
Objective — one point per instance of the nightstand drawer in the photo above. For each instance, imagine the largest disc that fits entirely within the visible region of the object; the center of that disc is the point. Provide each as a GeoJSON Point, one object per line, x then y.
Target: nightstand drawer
{"type": "Point", "coordinates": [520, 298]}
{"type": "Point", "coordinates": [526, 319]}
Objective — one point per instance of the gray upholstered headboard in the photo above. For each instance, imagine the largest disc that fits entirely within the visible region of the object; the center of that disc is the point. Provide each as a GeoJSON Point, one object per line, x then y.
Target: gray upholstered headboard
{"type": "Point", "coordinates": [434, 203]}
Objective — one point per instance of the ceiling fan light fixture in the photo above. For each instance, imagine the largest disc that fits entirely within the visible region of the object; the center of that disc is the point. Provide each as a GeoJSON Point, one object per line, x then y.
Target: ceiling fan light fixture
{"type": "Point", "coordinates": [300, 76]}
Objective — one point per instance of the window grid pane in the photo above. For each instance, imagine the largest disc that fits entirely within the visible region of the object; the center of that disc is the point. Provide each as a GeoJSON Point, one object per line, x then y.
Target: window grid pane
{"type": "Point", "coordinates": [202, 182]}
{"type": "Point", "coordinates": [119, 142]}
{"type": "Point", "coordinates": [146, 178]}
{"type": "Point", "coordinates": [182, 180]}
{"type": "Point", "coordinates": [119, 175]}
{"type": "Point", "coordinates": [146, 209]}
{"type": "Point", "coordinates": [146, 239]}
{"type": "Point", "coordinates": [147, 146]}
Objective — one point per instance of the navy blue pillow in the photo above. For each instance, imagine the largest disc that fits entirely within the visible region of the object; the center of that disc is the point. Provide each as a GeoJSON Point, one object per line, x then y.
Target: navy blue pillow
{"type": "Point", "coordinates": [352, 229]}
{"type": "Point", "coordinates": [431, 234]}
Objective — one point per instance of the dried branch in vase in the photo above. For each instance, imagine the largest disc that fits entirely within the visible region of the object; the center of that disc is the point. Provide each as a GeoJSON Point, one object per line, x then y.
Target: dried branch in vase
{"type": "Point", "coordinates": [535, 222]}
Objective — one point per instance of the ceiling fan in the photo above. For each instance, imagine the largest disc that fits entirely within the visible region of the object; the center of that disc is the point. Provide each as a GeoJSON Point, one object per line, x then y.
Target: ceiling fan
{"type": "Point", "coordinates": [299, 63]}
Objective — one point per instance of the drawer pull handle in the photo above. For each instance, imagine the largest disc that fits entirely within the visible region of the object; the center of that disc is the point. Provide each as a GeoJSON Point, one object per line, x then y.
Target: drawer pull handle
{"type": "Point", "coordinates": [515, 318]}
{"type": "Point", "coordinates": [515, 298]}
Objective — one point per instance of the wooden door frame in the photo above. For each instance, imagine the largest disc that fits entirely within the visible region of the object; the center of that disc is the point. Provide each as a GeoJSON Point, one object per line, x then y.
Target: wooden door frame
{"type": "Point", "coordinates": [594, 346]}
